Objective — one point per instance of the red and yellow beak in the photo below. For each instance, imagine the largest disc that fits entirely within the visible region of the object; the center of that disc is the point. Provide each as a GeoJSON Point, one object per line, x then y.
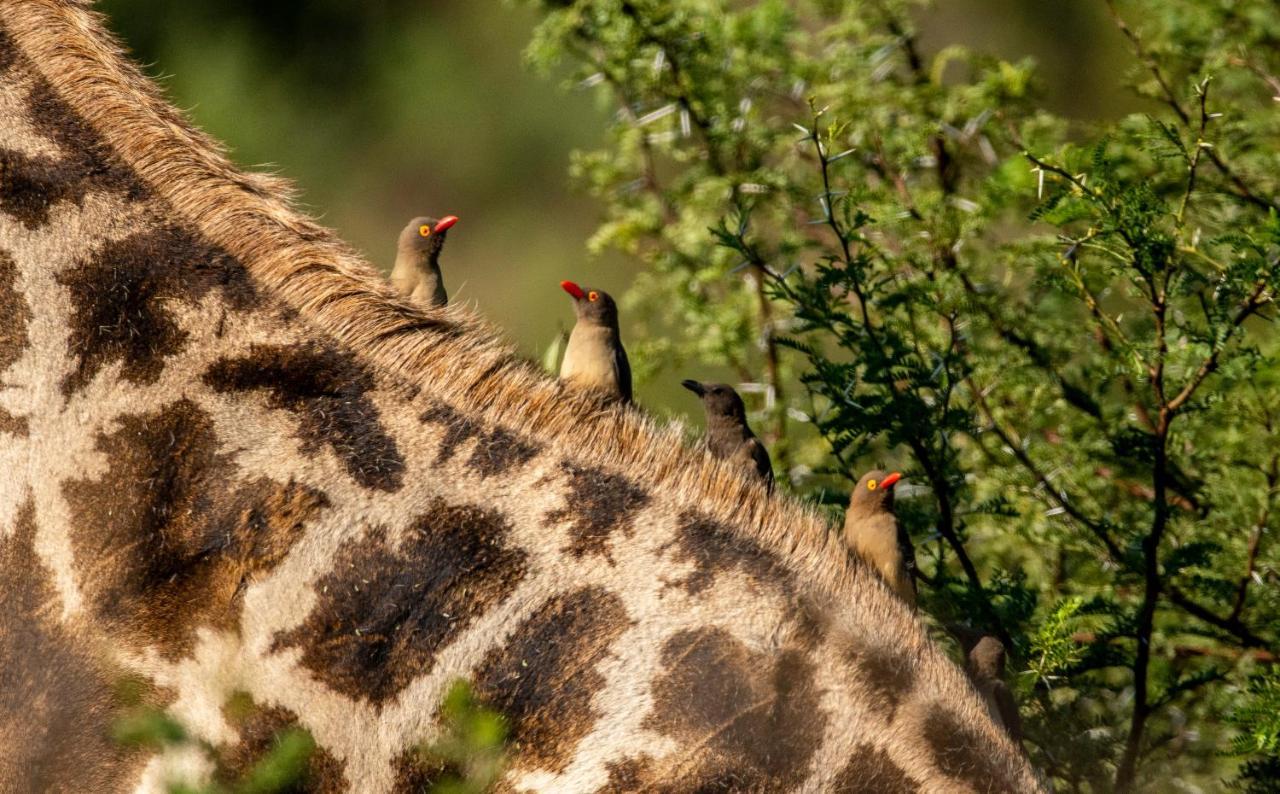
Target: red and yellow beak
{"type": "Point", "coordinates": [572, 289]}
{"type": "Point", "coordinates": [889, 481]}
{"type": "Point", "coordinates": [445, 223]}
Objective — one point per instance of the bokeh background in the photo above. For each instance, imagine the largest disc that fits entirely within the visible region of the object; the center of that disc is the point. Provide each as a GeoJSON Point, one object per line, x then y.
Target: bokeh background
{"type": "Point", "coordinates": [380, 110]}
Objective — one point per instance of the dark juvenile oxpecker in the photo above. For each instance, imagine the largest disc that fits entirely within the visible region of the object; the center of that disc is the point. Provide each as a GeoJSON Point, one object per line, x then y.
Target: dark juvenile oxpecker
{"type": "Point", "coordinates": [729, 437]}
{"type": "Point", "coordinates": [871, 529]}
{"type": "Point", "coordinates": [417, 270]}
{"type": "Point", "coordinates": [594, 357]}
{"type": "Point", "coordinates": [986, 669]}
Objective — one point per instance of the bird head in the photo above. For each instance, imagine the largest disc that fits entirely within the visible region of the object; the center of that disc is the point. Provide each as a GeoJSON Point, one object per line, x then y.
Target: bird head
{"type": "Point", "coordinates": [425, 235]}
{"type": "Point", "coordinates": [987, 657]}
{"type": "Point", "coordinates": [874, 491]}
{"type": "Point", "coordinates": [592, 305]}
{"type": "Point", "coordinates": [718, 399]}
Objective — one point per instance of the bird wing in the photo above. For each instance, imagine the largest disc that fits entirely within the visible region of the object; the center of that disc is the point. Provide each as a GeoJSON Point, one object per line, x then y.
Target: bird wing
{"type": "Point", "coordinates": [760, 456]}
{"type": "Point", "coordinates": [908, 552]}
{"type": "Point", "coordinates": [622, 368]}
{"type": "Point", "coordinates": [1008, 709]}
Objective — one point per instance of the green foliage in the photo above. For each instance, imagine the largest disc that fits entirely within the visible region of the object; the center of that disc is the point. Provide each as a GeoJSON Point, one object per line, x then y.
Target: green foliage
{"type": "Point", "coordinates": [1064, 335]}
{"type": "Point", "coordinates": [468, 756]}
{"type": "Point", "coordinates": [279, 769]}
{"type": "Point", "coordinates": [1258, 722]}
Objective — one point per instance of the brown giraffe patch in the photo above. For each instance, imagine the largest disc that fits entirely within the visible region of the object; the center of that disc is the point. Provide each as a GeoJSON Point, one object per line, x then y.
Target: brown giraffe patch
{"type": "Point", "coordinates": [544, 678]}
{"type": "Point", "coordinates": [56, 702]}
{"type": "Point", "coordinates": [121, 297]}
{"type": "Point", "coordinates": [15, 314]}
{"type": "Point", "coordinates": [714, 548]}
{"type": "Point", "coordinates": [13, 425]}
{"type": "Point", "coordinates": [259, 729]}
{"type": "Point", "coordinates": [31, 186]}
{"type": "Point", "coordinates": [8, 52]}
{"type": "Point", "coordinates": [871, 771]}
{"type": "Point", "coordinates": [167, 540]}
{"type": "Point", "coordinates": [885, 679]}
{"type": "Point", "coordinates": [598, 503]}
{"type": "Point", "coordinates": [497, 451]}
{"type": "Point", "coordinates": [415, 774]}
{"type": "Point", "coordinates": [964, 754]}
{"type": "Point", "coordinates": [748, 721]}
{"type": "Point", "coordinates": [630, 776]}
{"type": "Point", "coordinates": [328, 391]}
{"type": "Point", "coordinates": [387, 608]}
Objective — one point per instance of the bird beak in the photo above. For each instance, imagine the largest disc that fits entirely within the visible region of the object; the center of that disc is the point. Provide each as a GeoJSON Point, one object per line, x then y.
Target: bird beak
{"type": "Point", "coordinates": [445, 223]}
{"type": "Point", "coordinates": [693, 386]}
{"type": "Point", "coordinates": [888, 482]}
{"type": "Point", "coordinates": [573, 289]}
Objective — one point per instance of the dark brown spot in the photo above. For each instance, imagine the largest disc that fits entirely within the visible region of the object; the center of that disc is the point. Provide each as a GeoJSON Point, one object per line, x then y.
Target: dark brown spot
{"type": "Point", "coordinates": [15, 314]}
{"type": "Point", "coordinates": [8, 52]}
{"type": "Point", "coordinates": [544, 679]}
{"type": "Point", "coordinates": [13, 425]}
{"type": "Point", "coordinates": [56, 702]}
{"type": "Point", "coordinates": [964, 754]}
{"type": "Point", "coordinates": [629, 775]}
{"type": "Point", "coordinates": [751, 720]}
{"type": "Point", "coordinates": [884, 678]}
{"type": "Point", "coordinates": [31, 186]}
{"type": "Point", "coordinates": [260, 729]}
{"type": "Point", "coordinates": [168, 538]}
{"type": "Point", "coordinates": [122, 297]}
{"type": "Point", "coordinates": [598, 503]}
{"type": "Point", "coordinates": [497, 451]}
{"type": "Point", "coordinates": [871, 771]}
{"type": "Point", "coordinates": [327, 390]}
{"type": "Point", "coordinates": [714, 548]}
{"type": "Point", "coordinates": [415, 774]}
{"type": "Point", "coordinates": [390, 606]}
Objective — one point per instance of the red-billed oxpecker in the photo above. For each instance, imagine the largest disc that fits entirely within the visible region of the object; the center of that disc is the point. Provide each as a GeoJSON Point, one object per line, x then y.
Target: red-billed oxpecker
{"type": "Point", "coordinates": [871, 530]}
{"type": "Point", "coordinates": [729, 437]}
{"type": "Point", "coordinates": [985, 666]}
{"type": "Point", "coordinates": [594, 357]}
{"type": "Point", "coordinates": [417, 270]}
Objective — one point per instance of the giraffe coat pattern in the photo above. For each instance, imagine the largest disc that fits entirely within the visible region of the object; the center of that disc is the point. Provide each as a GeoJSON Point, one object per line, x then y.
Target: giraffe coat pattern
{"type": "Point", "coordinates": [236, 464]}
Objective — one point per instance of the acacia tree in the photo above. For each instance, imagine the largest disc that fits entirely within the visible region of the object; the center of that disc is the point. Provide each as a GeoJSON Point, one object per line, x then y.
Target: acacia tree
{"type": "Point", "coordinates": [1065, 339]}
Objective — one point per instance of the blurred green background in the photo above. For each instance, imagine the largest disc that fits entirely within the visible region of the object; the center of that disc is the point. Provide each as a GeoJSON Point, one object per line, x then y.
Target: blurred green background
{"type": "Point", "coordinates": [380, 110]}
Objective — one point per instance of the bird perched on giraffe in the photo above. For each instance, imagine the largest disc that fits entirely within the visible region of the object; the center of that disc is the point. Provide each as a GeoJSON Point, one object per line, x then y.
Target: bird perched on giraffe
{"type": "Point", "coordinates": [729, 437]}
{"type": "Point", "coordinates": [985, 666]}
{"type": "Point", "coordinates": [871, 529]}
{"type": "Point", "coordinates": [594, 358]}
{"type": "Point", "coordinates": [416, 273]}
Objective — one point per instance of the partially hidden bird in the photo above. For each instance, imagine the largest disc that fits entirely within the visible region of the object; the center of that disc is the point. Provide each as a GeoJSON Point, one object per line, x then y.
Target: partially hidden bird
{"type": "Point", "coordinates": [416, 273]}
{"type": "Point", "coordinates": [871, 530]}
{"type": "Point", "coordinates": [729, 437]}
{"type": "Point", "coordinates": [985, 666]}
{"type": "Point", "coordinates": [594, 357]}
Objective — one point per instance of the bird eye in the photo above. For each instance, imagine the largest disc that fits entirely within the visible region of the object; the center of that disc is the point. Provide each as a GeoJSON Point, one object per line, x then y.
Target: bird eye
{"type": "Point", "coordinates": [871, 485]}
{"type": "Point", "coordinates": [424, 230]}
{"type": "Point", "coordinates": [593, 295]}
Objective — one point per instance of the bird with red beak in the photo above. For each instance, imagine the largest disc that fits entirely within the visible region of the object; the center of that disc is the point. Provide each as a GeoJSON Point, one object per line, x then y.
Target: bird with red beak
{"type": "Point", "coordinates": [416, 273]}
{"type": "Point", "coordinates": [871, 531]}
{"type": "Point", "coordinates": [594, 357]}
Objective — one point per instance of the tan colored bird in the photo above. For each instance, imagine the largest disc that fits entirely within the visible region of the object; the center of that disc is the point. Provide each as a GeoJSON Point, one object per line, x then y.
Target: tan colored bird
{"type": "Point", "coordinates": [594, 357]}
{"type": "Point", "coordinates": [728, 435]}
{"type": "Point", "coordinates": [416, 273]}
{"type": "Point", "coordinates": [871, 529]}
{"type": "Point", "coordinates": [985, 667]}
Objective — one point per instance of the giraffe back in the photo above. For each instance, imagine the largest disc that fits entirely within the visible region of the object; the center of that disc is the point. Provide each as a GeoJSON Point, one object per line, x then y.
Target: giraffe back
{"type": "Point", "coordinates": [234, 464]}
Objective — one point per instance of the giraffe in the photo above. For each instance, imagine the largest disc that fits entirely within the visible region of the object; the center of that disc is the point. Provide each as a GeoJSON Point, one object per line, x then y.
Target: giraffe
{"type": "Point", "coordinates": [233, 460]}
